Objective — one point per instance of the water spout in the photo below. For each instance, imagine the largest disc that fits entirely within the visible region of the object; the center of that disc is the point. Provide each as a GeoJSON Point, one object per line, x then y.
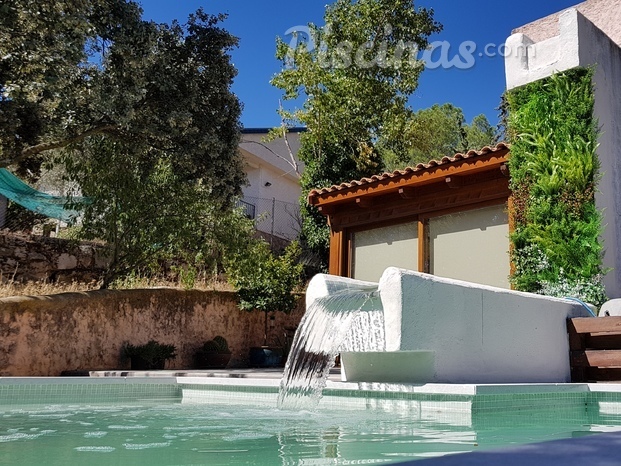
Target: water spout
{"type": "Point", "coordinates": [348, 320]}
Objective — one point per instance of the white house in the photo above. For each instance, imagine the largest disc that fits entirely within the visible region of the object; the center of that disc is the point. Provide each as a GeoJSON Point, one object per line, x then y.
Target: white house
{"type": "Point", "coordinates": [272, 195]}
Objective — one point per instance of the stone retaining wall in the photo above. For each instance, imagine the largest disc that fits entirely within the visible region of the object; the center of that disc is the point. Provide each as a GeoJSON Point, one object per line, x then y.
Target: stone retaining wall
{"type": "Point", "coordinates": [33, 258]}
{"type": "Point", "coordinates": [46, 335]}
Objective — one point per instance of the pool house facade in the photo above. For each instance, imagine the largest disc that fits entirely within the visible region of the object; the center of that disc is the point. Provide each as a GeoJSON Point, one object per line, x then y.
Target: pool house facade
{"type": "Point", "coordinates": [447, 217]}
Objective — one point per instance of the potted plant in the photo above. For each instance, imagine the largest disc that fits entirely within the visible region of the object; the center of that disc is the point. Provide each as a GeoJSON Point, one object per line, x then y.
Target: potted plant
{"type": "Point", "coordinates": [152, 355]}
{"type": "Point", "coordinates": [214, 354]}
{"type": "Point", "coordinates": [265, 282]}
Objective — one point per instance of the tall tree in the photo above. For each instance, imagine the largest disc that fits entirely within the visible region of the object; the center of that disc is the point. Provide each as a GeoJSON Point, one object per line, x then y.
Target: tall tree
{"type": "Point", "coordinates": [45, 75]}
{"type": "Point", "coordinates": [479, 133]}
{"type": "Point", "coordinates": [356, 73]}
{"type": "Point", "coordinates": [141, 114]}
{"type": "Point", "coordinates": [147, 215]}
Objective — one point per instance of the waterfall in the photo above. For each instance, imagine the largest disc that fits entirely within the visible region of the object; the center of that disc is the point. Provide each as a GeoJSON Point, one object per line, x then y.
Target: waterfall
{"type": "Point", "coordinates": [345, 321]}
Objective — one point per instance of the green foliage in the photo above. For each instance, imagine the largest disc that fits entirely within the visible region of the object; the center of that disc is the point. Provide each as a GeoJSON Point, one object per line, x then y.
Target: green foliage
{"type": "Point", "coordinates": [187, 275]}
{"type": "Point", "coordinates": [141, 116]}
{"type": "Point", "coordinates": [151, 352]}
{"type": "Point", "coordinates": [554, 174]}
{"type": "Point", "coordinates": [263, 281]}
{"type": "Point", "coordinates": [72, 70]}
{"type": "Point", "coordinates": [433, 133]}
{"type": "Point", "coordinates": [315, 234]}
{"type": "Point", "coordinates": [350, 105]}
{"type": "Point", "coordinates": [222, 344]}
{"type": "Point", "coordinates": [149, 215]}
{"type": "Point", "coordinates": [479, 133]}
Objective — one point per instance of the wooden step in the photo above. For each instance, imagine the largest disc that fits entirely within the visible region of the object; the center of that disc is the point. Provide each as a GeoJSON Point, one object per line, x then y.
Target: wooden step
{"type": "Point", "coordinates": [595, 348]}
{"type": "Point", "coordinates": [596, 358]}
{"type": "Point", "coordinates": [597, 324]}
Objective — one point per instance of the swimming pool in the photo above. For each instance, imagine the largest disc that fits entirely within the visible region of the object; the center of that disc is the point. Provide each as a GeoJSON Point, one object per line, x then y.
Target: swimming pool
{"type": "Point", "coordinates": [185, 420]}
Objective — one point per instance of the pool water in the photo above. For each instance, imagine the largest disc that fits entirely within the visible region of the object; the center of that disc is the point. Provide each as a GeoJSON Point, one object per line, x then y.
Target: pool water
{"type": "Point", "coordinates": [189, 433]}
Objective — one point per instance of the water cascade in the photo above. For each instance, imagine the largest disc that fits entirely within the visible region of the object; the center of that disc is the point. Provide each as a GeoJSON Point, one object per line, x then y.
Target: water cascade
{"type": "Point", "coordinates": [345, 321]}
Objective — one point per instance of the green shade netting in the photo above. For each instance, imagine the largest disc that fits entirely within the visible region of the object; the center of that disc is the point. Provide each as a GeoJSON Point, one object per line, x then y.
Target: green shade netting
{"type": "Point", "coordinates": [19, 192]}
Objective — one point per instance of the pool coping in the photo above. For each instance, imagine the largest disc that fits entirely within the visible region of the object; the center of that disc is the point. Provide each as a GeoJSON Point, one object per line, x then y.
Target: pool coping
{"type": "Point", "coordinates": [272, 377]}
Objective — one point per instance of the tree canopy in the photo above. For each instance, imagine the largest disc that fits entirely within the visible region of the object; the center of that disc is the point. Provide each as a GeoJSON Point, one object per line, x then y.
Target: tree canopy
{"type": "Point", "coordinates": [356, 73]}
{"type": "Point", "coordinates": [435, 132]}
{"type": "Point", "coordinates": [74, 69]}
{"type": "Point", "coordinates": [140, 114]}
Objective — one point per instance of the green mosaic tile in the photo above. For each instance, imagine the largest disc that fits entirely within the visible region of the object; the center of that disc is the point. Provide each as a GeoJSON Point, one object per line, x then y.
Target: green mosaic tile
{"type": "Point", "coordinates": [18, 394]}
{"type": "Point", "coordinates": [566, 406]}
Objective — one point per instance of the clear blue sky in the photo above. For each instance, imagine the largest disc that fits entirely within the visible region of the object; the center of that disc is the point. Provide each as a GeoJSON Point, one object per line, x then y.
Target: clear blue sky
{"type": "Point", "coordinates": [258, 23]}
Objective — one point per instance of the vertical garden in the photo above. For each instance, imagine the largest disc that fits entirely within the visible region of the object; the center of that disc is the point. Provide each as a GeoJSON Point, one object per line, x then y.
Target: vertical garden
{"type": "Point", "coordinates": [556, 248]}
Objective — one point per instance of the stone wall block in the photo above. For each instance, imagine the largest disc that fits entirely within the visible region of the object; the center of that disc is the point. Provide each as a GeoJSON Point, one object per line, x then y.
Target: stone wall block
{"type": "Point", "coordinates": [86, 255]}
{"type": "Point", "coordinates": [66, 262]}
{"type": "Point", "coordinates": [101, 259]}
{"type": "Point", "coordinates": [27, 257]}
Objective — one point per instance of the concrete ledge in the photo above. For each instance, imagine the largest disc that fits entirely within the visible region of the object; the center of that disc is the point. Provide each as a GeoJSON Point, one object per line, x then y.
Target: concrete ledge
{"type": "Point", "coordinates": [387, 366]}
{"type": "Point", "coordinates": [251, 374]}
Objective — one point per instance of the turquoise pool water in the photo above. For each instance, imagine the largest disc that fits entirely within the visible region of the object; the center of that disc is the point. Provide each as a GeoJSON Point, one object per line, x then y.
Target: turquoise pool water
{"type": "Point", "coordinates": [214, 428]}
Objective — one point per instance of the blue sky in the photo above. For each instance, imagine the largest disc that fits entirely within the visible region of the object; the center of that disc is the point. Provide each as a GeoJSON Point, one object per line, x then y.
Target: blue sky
{"type": "Point", "coordinates": [257, 23]}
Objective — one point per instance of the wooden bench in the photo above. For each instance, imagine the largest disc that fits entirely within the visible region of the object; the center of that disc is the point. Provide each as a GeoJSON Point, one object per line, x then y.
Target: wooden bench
{"type": "Point", "coordinates": [595, 348]}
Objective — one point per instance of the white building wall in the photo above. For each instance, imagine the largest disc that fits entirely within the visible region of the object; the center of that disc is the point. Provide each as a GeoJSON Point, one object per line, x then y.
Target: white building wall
{"type": "Point", "coordinates": [277, 205]}
{"type": "Point", "coordinates": [273, 184]}
{"type": "Point", "coordinates": [581, 43]}
{"type": "Point", "coordinates": [479, 334]}
{"type": "Point", "coordinates": [599, 50]}
{"type": "Point", "coordinates": [605, 14]}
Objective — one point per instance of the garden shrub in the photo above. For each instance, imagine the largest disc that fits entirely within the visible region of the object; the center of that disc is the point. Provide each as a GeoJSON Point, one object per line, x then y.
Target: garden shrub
{"type": "Point", "coordinates": [265, 281]}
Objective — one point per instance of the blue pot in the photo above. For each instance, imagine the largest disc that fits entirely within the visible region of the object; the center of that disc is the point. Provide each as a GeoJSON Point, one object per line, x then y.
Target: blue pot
{"type": "Point", "coordinates": [265, 356]}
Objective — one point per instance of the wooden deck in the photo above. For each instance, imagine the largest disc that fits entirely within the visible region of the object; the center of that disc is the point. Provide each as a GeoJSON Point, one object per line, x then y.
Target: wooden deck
{"type": "Point", "coordinates": [595, 349]}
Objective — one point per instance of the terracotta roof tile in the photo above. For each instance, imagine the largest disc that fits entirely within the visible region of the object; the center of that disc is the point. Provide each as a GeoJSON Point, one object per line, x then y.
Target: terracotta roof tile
{"type": "Point", "coordinates": [408, 170]}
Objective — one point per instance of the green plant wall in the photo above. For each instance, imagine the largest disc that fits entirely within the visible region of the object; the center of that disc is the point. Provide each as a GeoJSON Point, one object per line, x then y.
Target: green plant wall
{"type": "Point", "coordinates": [555, 243]}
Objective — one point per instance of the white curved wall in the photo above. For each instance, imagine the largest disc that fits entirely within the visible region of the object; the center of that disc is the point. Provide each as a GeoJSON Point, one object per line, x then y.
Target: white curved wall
{"type": "Point", "coordinates": [480, 334]}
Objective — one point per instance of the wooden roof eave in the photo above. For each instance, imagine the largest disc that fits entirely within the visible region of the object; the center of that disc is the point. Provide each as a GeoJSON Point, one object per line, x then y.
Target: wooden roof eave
{"type": "Point", "coordinates": [391, 184]}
